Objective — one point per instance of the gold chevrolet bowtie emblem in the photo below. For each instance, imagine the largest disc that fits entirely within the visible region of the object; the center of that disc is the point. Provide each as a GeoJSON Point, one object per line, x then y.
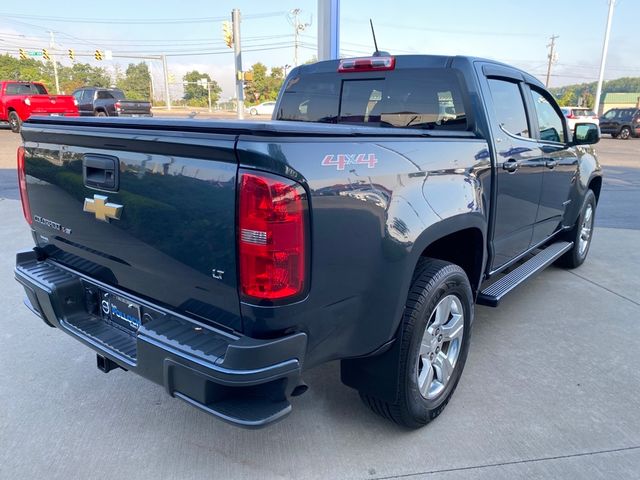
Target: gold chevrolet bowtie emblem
{"type": "Point", "coordinates": [104, 211]}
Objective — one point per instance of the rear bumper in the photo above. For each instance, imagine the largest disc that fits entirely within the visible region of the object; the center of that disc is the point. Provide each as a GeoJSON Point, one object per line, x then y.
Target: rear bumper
{"type": "Point", "coordinates": [128, 114]}
{"type": "Point", "coordinates": [54, 114]}
{"type": "Point", "coordinates": [243, 381]}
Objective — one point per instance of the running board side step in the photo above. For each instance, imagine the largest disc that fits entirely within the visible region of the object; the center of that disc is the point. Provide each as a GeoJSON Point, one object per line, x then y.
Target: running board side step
{"type": "Point", "coordinates": [492, 295]}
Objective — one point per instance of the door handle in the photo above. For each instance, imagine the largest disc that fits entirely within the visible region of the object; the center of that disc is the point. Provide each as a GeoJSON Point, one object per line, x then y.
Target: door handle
{"type": "Point", "coordinates": [551, 163]}
{"type": "Point", "coordinates": [511, 165]}
{"type": "Point", "coordinates": [100, 171]}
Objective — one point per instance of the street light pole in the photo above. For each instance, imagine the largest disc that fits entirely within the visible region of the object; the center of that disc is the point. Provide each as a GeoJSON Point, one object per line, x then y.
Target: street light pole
{"type": "Point", "coordinates": [165, 72]}
{"type": "Point", "coordinates": [605, 47]}
{"type": "Point", "coordinates": [235, 17]}
{"type": "Point", "coordinates": [52, 45]}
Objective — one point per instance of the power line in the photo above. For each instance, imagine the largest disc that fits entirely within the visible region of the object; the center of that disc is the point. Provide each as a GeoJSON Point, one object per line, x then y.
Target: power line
{"type": "Point", "coordinates": [497, 33]}
{"type": "Point", "coordinates": [149, 21]}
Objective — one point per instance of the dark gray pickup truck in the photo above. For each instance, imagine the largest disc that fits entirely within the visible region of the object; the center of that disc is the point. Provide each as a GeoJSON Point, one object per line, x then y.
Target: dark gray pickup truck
{"type": "Point", "coordinates": [224, 259]}
{"type": "Point", "coordinates": [109, 102]}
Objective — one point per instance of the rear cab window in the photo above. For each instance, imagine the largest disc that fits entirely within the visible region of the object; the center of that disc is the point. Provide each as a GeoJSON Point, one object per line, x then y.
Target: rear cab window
{"type": "Point", "coordinates": [428, 98]}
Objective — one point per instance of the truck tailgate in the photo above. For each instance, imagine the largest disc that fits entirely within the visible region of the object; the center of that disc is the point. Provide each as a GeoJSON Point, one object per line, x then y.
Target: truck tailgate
{"type": "Point", "coordinates": [51, 104]}
{"type": "Point", "coordinates": [134, 107]}
{"type": "Point", "coordinates": [173, 241]}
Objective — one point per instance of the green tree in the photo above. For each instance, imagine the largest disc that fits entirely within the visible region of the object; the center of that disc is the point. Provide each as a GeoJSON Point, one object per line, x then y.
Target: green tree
{"type": "Point", "coordinates": [567, 98]}
{"type": "Point", "coordinates": [30, 70]}
{"type": "Point", "coordinates": [196, 95]}
{"type": "Point", "coordinates": [263, 87]}
{"type": "Point", "coordinates": [136, 83]}
{"type": "Point", "coordinates": [82, 74]}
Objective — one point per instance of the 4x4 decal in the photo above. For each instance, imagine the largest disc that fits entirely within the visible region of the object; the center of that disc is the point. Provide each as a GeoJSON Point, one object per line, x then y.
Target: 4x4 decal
{"type": "Point", "coordinates": [343, 159]}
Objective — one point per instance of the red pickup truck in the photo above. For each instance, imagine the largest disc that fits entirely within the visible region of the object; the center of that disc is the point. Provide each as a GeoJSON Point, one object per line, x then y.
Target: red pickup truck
{"type": "Point", "coordinates": [20, 100]}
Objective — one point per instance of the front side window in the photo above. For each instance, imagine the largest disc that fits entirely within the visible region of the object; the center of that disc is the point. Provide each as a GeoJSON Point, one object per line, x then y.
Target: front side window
{"type": "Point", "coordinates": [549, 121]}
{"type": "Point", "coordinates": [509, 107]}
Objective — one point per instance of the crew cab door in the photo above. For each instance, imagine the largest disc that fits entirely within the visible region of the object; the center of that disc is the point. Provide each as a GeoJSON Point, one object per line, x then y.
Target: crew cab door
{"type": "Point", "coordinates": [85, 102]}
{"type": "Point", "coordinates": [519, 166]}
{"type": "Point", "coordinates": [560, 162]}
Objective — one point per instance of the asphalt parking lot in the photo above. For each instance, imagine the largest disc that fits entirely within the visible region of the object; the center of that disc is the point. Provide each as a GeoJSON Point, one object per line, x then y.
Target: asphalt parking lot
{"type": "Point", "coordinates": [551, 388]}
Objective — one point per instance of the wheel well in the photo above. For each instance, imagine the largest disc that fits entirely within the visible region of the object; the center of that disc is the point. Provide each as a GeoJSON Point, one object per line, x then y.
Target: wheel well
{"type": "Point", "coordinates": [463, 248]}
{"type": "Point", "coordinates": [596, 186]}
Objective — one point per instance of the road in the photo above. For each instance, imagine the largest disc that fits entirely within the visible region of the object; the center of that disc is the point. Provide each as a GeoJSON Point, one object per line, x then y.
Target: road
{"type": "Point", "coordinates": [551, 388]}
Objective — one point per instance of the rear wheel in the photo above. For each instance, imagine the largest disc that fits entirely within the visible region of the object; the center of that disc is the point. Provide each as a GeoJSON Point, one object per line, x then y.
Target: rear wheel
{"type": "Point", "coordinates": [101, 114]}
{"type": "Point", "coordinates": [625, 133]}
{"type": "Point", "coordinates": [253, 111]}
{"type": "Point", "coordinates": [434, 337]}
{"type": "Point", "coordinates": [14, 122]}
{"type": "Point", "coordinates": [580, 234]}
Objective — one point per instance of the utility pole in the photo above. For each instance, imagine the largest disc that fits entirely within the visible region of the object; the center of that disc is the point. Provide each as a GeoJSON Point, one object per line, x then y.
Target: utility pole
{"type": "Point", "coordinates": [605, 47]}
{"type": "Point", "coordinates": [552, 57]}
{"type": "Point", "coordinates": [52, 45]}
{"type": "Point", "coordinates": [165, 72]}
{"type": "Point", "coordinates": [235, 18]}
{"type": "Point", "coordinates": [297, 28]}
{"type": "Point", "coordinates": [209, 94]}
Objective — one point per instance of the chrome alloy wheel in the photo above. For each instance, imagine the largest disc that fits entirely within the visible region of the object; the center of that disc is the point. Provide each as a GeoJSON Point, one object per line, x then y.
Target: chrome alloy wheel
{"type": "Point", "coordinates": [585, 230]}
{"type": "Point", "coordinates": [440, 347]}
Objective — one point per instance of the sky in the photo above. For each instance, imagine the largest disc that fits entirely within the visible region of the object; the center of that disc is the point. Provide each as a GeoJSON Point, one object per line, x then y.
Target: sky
{"type": "Point", "coordinates": [514, 32]}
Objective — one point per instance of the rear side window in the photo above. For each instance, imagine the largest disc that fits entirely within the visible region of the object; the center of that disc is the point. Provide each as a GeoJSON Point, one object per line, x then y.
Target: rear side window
{"type": "Point", "coordinates": [24, 89]}
{"type": "Point", "coordinates": [117, 94]}
{"type": "Point", "coordinates": [103, 95]}
{"type": "Point", "coordinates": [509, 107]}
{"type": "Point", "coordinates": [410, 98]}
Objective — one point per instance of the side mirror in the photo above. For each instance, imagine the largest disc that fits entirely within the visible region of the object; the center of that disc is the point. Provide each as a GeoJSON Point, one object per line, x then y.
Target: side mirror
{"type": "Point", "coordinates": [586, 134]}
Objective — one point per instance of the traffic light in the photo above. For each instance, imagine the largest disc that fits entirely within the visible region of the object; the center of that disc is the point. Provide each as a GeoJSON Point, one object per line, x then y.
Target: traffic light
{"type": "Point", "coordinates": [23, 54]}
{"type": "Point", "coordinates": [227, 34]}
{"type": "Point", "coordinates": [72, 54]}
{"type": "Point", "coordinates": [45, 54]}
{"type": "Point", "coordinates": [98, 55]}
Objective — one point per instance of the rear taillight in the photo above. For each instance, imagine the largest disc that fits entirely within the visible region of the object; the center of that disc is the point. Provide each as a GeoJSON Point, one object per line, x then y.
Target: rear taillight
{"type": "Point", "coordinates": [118, 105]}
{"type": "Point", "coordinates": [571, 115]}
{"type": "Point", "coordinates": [22, 183]}
{"type": "Point", "coordinates": [366, 64]}
{"type": "Point", "coordinates": [75, 102]}
{"type": "Point", "coordinates": [273, 234]}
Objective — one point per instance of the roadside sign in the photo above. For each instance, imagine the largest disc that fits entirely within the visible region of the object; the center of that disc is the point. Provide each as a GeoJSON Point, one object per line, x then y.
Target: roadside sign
{"type": "Point", "coordinates": [35, 53]}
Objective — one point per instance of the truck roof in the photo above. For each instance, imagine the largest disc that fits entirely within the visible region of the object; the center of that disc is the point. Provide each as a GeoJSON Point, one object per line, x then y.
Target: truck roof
{"type": "Point", "coordinates": [418, 61]}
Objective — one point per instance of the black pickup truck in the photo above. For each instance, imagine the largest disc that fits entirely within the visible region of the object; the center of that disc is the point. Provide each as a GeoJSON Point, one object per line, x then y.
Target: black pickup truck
{"type": "Point", "coordinates": [109, 102]}
{"type": "Point", "coordinates": [224, 259]}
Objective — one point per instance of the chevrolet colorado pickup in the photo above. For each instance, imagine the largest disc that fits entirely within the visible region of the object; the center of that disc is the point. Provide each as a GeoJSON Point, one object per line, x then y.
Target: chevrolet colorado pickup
{"type": "Point", "coordinates": [20, 100]}
{"type": "Point", "coordinates": [223, 259]}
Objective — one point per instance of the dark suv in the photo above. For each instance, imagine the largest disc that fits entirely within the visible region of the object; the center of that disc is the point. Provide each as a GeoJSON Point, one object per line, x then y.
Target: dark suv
{"type": "Point", "coordinates": [621, 122]}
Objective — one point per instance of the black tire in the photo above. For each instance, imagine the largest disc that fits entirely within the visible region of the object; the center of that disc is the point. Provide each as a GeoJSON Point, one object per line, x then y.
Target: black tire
{"type": "Point", "coordinates": [433, 281]}
{"type": "Point", "coordinates": [253, 112]}
{"type": "Point", "coordinates": [576, 257]}
{"type": "Point", "coordinates": [14, 122]}
{"type": "Point", "coordinates": [100, 113]}
{"type": "Point", "coordinates": [625, 133]}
